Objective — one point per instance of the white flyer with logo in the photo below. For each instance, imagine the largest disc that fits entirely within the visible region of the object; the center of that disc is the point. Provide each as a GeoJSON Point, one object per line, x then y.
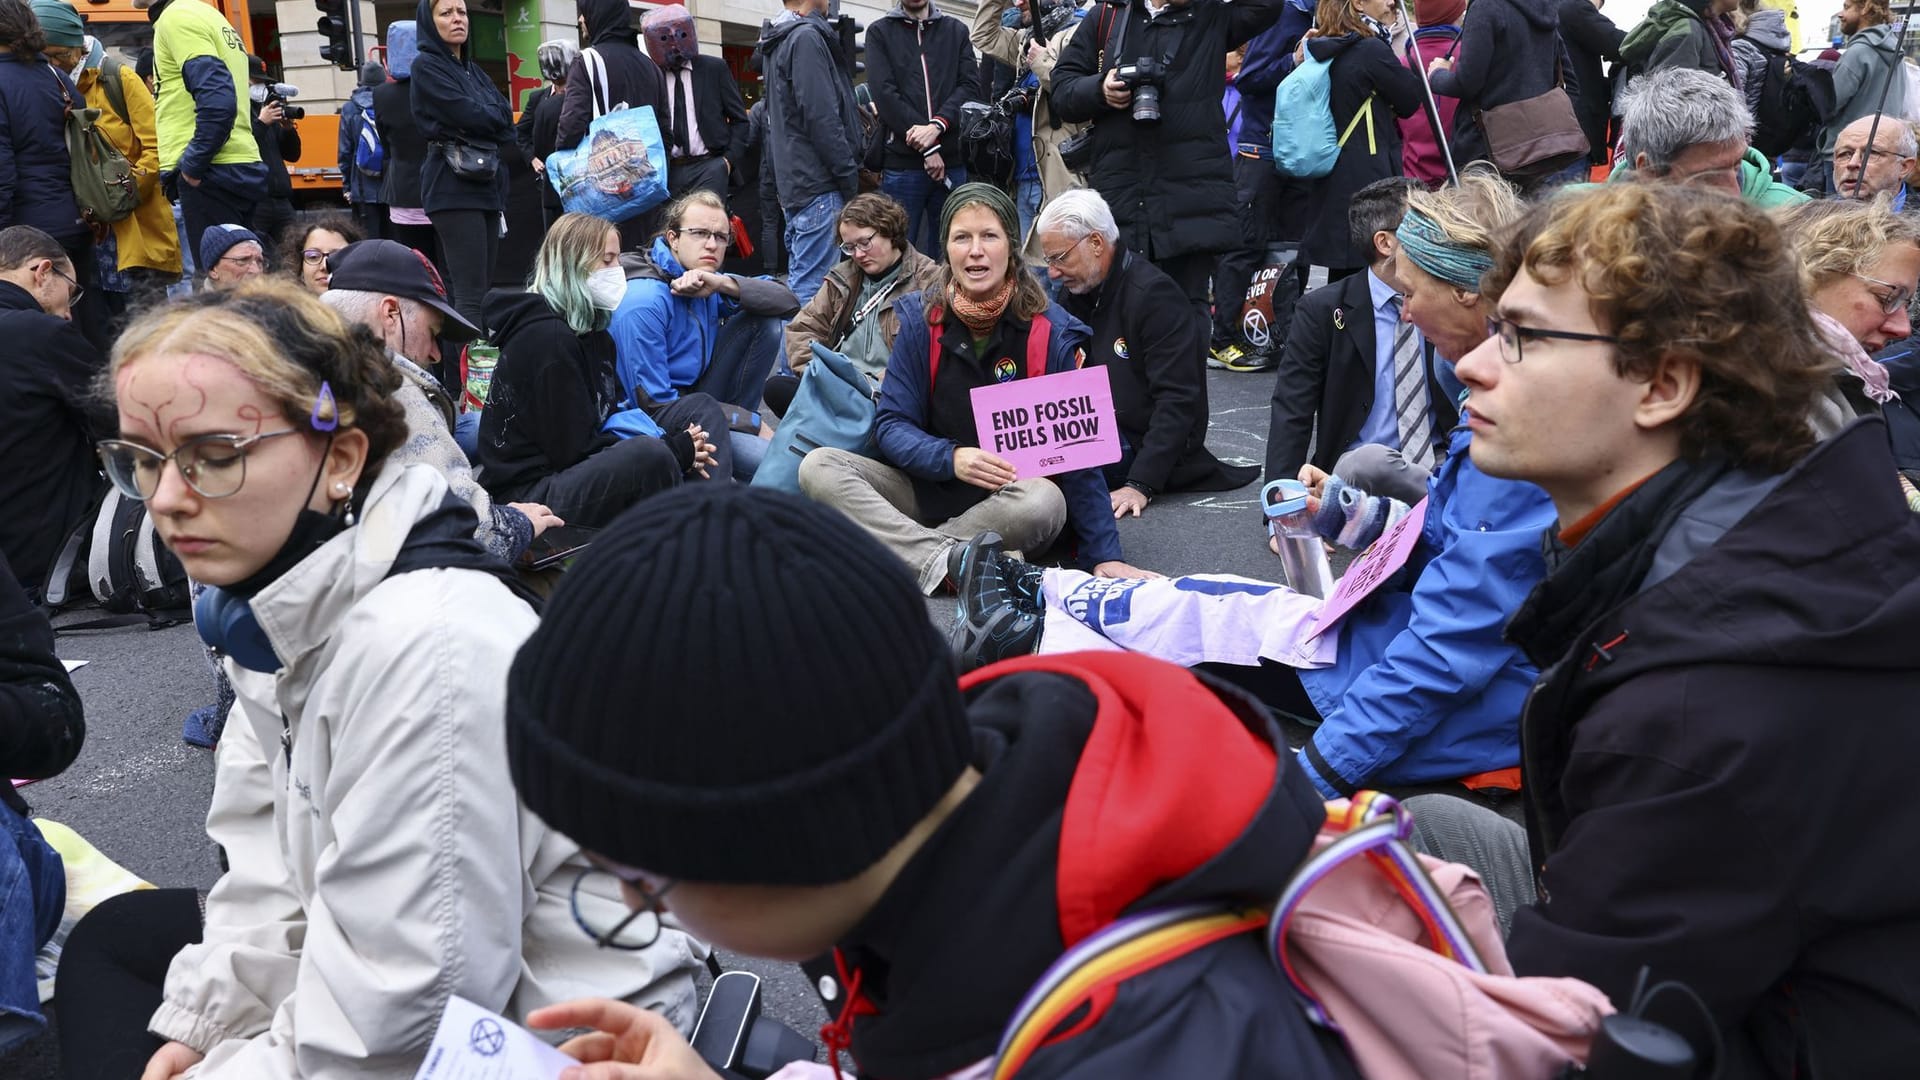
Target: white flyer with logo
{"type": "Point", "coordinates": [476, 1044]}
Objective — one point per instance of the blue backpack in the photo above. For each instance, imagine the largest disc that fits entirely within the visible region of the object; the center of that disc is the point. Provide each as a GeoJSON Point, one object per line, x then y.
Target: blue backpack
{"type": "Point", "coordinates": [833, 407]}
{"type": "Point", "coordinates": [1305, 143]}
{"type": "Point", "coordinates": [369, 155]}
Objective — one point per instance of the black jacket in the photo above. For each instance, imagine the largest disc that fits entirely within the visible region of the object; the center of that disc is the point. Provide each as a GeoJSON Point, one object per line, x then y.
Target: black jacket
{"type": "Point", "coordinates": [1590, 38]}
{"type": "Point", "coordinates": [42, 725]}
{"type": "Point", "coordinates": [1154, 353]}
{"type": "Point", "coordinates": [1508, 52]}
{"type": "Point", "coordinates": [454, 99]}
{"type": "Point", "coordinates": [1170, 184]}
{"type": "Point", "coordinates": [537, 131]}
{"type": "Point", "coordinates": [277, 144]}
{"type": "Point", "coordinates": [47, 429]}
{"type": "Point", "coordinates": [36, 178]}
{"type": "Point", "coordinates": [1035, 859]}
{"type": "Point", "coordinates": [719, 112]}
{"type": "Point", "coordinates": [1719, 769]}
{"type": "Point", "coordinates": [632, 76]}
{"type": "Point", "coordinates": [1363, 68]}
{"type": "Point", "coordinates": [909, 62]}
{"type": "Point", "coordinates": [1327, 374]}
{"type": "Point", "coordinates": [552, 389]}
{"type": "Point", "coordinates": [813, 123]}
{"type": "Point", "coordinates": [406, 146]}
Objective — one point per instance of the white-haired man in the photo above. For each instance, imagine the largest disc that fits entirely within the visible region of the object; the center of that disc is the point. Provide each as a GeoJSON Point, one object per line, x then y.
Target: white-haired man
{"type": "Point", "coordinates": [394, 291]}
{"type": "Point", "coordinates": [1860, 174]}
{"type": "Point", "coordinates": [1152, 347]}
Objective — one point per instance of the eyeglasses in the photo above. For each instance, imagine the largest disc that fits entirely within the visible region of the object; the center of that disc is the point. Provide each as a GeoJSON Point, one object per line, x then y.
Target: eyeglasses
{"type": "Point", "coordinates": [620, 927]}
{"type": "Point", "coordinates": [258, 262]}
{"type": "Point", "coordinates": [74, 291]}
{"type": "Point", "coordinates": [314, 256]}
{"type": "Point", "coordinates": [1896, 297]}
{"type": "Point", "coordinates": [1061, 256]}
{"type": "Point", "coordinates": [855, 247]}
{"type": "Point", "coordinates": [707, 236]}
{"type": "Point", "coordinates": [1511, 334]}
{"type": "Point", "coordinates": [213, 465]}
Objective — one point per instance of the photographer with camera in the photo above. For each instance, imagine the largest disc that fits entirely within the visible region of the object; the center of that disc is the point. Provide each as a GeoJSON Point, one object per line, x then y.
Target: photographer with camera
{"type": "Point", "coordinates": [1150, 77]}
{"type": "Point", "coordinates": [921, 70]}
{"type": "Point", "coordinates": [273, 129]}
{"type": "Point", "coordinates": [1008, 31]}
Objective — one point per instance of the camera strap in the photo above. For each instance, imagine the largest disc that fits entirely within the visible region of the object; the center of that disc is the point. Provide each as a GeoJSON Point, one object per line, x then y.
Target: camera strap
{"type": "Point", "coordinates": [1113, 33]}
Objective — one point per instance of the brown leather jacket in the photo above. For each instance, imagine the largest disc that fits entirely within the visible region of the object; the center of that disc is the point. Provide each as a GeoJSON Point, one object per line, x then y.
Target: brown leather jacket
{"type": "Point", "coordinates": [829, 315]}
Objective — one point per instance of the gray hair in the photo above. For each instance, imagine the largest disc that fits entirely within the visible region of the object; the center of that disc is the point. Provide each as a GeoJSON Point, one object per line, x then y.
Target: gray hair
{"type": "Point", "coordinates": [1077, 213]}
{"type": "Point", "coordinates": [1908, 145]}
{"type": "Point", "coordinates": [363, 307]}
{"type": "Point", "coordinates": [1664, 112]}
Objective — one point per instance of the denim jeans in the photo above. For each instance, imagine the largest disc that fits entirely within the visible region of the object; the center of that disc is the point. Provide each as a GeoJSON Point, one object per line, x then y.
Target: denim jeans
{"type": "Point", "coordinates": [743, 356]}
{"type": "Point", "coordinates": [748, 452]}
{"type": "Point", "coordinates": [813, 243]}
{"type": "Point", "coordinates": [923, 197]}
{"type": "Point", "coordinates": [1027, 197]}
{"type": "Point", "coordinates": [33, 895]}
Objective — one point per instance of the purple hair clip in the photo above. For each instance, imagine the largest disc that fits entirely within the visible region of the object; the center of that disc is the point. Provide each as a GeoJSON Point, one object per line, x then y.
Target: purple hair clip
{"type": "Point", "coordinates": [326, 412]}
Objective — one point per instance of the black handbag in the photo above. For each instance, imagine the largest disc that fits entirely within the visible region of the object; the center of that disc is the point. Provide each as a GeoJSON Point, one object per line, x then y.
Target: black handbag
{"type": "Point", "coordinates": [471, 160]}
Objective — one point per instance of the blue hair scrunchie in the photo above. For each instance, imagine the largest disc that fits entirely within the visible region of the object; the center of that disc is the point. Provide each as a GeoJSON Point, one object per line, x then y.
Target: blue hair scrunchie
{"type": "Point", "coordinates": [1420, 237]}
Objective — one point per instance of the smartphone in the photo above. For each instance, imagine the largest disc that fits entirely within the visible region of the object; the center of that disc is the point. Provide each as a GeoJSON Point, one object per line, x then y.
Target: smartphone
{"type": "Point", "coordinates": [555, 546]}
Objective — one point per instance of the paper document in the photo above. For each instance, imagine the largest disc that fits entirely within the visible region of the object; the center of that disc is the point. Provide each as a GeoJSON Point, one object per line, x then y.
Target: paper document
{"type": "Point", "coordinates": [75, 665]}
{"type": "Point", "coordinates": [475, 1044]}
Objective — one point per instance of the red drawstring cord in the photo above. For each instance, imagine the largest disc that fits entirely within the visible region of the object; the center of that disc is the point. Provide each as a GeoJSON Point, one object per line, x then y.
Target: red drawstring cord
{"type": "Point", "coordinates": [838, 1035]}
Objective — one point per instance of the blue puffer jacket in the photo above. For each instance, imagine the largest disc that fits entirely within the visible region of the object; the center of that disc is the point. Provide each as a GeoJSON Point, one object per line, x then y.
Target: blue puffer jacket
{"type": "Point", "coordinates": [36, 181]}
{"type": "Point", "coordinates": [906, 401]}
{"type": "Point", "coordinates": [1426, 689]}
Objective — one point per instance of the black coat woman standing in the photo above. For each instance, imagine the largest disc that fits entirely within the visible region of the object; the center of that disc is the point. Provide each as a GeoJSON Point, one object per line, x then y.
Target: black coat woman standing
{"type": "Point", "coordinates": [457, 107]}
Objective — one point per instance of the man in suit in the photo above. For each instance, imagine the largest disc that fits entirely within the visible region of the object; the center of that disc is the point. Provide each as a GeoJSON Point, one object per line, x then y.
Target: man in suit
{"type": "Point", "coordinates": [1143, 335]}
{"type": "Point", "coordinates": [1367, 373]}
{"type": "Point", "coordinates": [705, 119]}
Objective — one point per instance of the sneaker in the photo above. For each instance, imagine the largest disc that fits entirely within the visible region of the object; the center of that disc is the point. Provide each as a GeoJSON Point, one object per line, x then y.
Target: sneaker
{"type": "Point", "coordinates": [1222, 357]}
{"type": "Point", "coordinates": [994, 620]}
{"type": "Point", "coordinates": [1248, 360]}
{"type": "Point", "coordinates": [202, 727]}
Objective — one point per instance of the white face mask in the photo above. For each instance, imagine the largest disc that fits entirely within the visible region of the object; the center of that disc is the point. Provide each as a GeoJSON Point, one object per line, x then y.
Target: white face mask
{"type": "Point", "coordinates": [607, 287]}
{"type": "Point", "coordinates": [258, 92]}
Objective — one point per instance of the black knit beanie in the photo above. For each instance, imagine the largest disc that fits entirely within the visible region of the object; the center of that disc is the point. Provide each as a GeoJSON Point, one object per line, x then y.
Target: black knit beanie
{"type": "Point", "coordinates": [736, 686]}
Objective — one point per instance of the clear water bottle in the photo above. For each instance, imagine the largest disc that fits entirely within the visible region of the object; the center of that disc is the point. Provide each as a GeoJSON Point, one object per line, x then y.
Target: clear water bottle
{"type": "Point", "coordinates": [1302, 556]}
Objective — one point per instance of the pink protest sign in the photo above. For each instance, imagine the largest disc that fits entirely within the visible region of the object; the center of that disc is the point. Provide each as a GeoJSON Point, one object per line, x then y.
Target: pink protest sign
{"type": "Point", "coordinates": [1052, 424]}
{"type": "Point", "coordinates": [1378, 563]}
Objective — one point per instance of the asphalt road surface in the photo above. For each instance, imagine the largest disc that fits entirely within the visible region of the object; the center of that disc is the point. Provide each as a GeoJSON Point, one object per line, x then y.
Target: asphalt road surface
{"type": "Point", "coordinates": [140, 794]}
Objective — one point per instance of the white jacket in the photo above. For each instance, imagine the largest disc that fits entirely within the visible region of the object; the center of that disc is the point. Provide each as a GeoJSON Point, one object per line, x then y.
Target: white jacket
{"type": "Point", "coordinates": [380, 860]}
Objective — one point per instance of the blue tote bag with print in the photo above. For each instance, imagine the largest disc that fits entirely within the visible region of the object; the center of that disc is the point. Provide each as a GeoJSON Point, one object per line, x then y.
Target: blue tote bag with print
{"type": "Point", "coordinates": [619, 171]}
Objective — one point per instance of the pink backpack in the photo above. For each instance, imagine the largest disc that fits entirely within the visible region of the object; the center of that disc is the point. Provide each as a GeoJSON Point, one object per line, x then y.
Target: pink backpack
{"type": "Point", "coordinates": [1398, 952]}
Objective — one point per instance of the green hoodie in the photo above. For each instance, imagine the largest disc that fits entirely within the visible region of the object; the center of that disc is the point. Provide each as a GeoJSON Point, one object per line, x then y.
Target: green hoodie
{"type": "Point", "coordinates": [1672, 35]}
{"type": "Point", "coordinates": [1757, 184]}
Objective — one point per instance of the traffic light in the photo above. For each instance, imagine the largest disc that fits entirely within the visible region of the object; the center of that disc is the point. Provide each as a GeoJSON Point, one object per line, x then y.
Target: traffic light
{"type": "Point", "coordinates": [333, 26]}
{"type": "Point", "coordinates": [850, 47]}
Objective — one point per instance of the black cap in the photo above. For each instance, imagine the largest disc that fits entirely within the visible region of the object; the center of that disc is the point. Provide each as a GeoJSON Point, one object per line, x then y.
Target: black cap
{"type": "Point", "coordinates": [394, 269]}
{"type": "Point", "coordinates": [257, 69]}
{"type": "Point", "coordinates": [736, 685]}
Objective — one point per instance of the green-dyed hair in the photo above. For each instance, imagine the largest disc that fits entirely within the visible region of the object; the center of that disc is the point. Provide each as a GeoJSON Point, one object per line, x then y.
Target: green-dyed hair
{"type": "Point", "coordinates": [567, 256]}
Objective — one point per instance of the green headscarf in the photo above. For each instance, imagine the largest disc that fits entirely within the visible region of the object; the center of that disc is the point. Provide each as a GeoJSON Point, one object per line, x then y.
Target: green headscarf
{"type": "Point", "coordinates": [980, 194]}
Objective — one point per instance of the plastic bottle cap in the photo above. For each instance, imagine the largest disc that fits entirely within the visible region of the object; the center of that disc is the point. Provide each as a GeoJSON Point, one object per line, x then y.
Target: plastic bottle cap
{"type": "Point", "coordinates": [1282, 498]}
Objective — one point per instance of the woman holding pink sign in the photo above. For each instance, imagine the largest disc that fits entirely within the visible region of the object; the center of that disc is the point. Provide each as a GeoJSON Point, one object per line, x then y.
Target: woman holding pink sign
{"type": "Point", "coordinates": [983, 320]}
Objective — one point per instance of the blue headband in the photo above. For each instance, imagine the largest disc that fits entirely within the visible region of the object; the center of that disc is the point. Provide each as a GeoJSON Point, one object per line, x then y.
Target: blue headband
{"type": "Point", "coordinates": [1420, 237]}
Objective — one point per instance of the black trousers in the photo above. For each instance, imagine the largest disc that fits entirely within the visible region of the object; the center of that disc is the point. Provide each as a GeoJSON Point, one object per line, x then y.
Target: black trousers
{"type": "Point", "coordinates": [595, 491]}
{"type": "Point", "coordinates": [1259, 189]}
{"type": "Point", "coordinates": [1194, 275]}
{"type": "Point", "coordinates": [270, 221]}
{"type": "Point", "coordinates": [704, 174]}
{"type": "Point", "coordinates": [205, 205]}
{"type": "Point", "coordinates": [692, 408]}
{"type": "Point", "coordinates": [470, 241]}
{"type": "Point", "coordinates": [112, 971]}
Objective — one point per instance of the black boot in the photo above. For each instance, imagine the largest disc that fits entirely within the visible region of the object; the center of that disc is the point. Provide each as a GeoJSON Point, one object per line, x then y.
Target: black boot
{"type": "Point", "coordinates": [999, 614]}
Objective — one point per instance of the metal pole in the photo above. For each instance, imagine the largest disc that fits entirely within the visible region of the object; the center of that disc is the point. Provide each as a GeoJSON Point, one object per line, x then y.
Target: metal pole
{"type": "Point", "coordinates": [353, 29]}
{"type": "Point", "coordinates": [1433, 105]}
{"type": "Point", "coordinates": [1886, 85]}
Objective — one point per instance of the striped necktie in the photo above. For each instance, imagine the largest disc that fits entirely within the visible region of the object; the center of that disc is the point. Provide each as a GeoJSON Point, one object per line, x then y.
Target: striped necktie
{"type": "Point", "coordinates": [1411, 406]}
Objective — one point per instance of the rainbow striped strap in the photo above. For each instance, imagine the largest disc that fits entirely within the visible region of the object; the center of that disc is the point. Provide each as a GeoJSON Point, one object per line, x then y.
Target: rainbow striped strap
{"type": "Point", "coordinates": [1112, 956]}
{"type": "Point", "coordinates": [1376, 826]}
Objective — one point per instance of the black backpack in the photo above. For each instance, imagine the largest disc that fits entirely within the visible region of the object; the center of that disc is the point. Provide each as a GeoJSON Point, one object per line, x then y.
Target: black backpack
{"type": "Point", "coordinates": [1791, 103]}
{"type": "Point", "coordinates": [115, 557]}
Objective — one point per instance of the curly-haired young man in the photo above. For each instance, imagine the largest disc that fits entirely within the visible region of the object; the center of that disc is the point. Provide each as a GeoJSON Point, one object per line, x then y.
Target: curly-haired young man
{"type": "Point", "coordinates": [1724, 635]}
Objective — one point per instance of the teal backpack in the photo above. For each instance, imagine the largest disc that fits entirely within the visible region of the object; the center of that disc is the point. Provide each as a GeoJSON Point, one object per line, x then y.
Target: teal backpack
{"type": "Point", "coordinates": [1305, 143]}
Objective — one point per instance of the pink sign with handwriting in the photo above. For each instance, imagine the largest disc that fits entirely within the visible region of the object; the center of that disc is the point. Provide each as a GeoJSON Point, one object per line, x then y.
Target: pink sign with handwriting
{"type": "Point", "coordinates": [1052, 424]}
{"type": "Point", "coordinates": [1375, 565]}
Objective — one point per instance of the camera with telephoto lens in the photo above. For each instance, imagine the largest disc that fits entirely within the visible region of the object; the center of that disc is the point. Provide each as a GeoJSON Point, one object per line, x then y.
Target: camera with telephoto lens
{"type": "Point", "coordinates": [1144, 77]}
{"type": "Point", "coordinates": [278, 93]}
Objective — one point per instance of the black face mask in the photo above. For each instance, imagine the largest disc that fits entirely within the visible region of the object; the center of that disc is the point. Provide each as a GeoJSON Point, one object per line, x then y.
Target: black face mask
{"type": "Point", "coordinates": [311, 529]}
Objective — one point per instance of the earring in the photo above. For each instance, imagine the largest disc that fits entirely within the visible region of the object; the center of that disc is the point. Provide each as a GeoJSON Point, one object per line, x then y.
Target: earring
{"type": "Point", "coordinates": [340, 489]}
{"type": "Point", "coordinates": [349, 518]}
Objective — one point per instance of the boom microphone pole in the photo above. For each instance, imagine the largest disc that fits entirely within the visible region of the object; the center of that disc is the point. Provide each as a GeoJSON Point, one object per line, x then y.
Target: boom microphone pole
{"type": "Point", "coordinates": [1886, 85]}
{"type": "Point", "coordinates": [1419, 64]}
